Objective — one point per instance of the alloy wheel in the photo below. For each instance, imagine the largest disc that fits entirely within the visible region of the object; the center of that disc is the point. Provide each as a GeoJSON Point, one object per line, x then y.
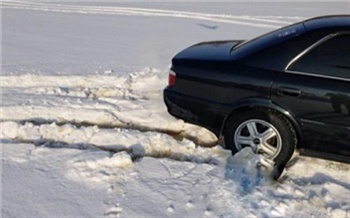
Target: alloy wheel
{"type": "Point", "coordinates": [261, 136]}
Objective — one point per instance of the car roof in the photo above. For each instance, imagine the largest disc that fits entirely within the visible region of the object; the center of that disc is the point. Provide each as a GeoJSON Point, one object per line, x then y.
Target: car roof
{"type": "Point", "coordinates": [332, 21]}
{"type": "Point", "coordinates": [326, 24]}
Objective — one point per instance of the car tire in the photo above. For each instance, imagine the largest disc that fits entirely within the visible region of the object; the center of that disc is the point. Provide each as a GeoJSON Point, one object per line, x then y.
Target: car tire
{"type": "Point", "coordinates": [267, 132]}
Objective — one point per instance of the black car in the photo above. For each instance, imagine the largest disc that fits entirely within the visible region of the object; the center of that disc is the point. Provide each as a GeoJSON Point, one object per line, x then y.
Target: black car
{"type": "Point", "coordinates": [284, 90]}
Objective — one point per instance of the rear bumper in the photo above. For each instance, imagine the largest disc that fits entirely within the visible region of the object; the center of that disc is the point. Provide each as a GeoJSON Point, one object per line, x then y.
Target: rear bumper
{"type": "Point", "coordinates": [196, 111]}
{"type": "Point", "coordinates": [181, 106]}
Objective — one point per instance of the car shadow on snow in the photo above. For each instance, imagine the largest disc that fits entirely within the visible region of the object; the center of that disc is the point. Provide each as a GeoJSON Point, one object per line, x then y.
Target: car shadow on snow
{"type": "Point", "coordinates": [321, 179]}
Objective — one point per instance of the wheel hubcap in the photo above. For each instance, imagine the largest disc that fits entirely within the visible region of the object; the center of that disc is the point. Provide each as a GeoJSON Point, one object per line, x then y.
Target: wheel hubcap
{"type": "Point", "coordinates": [261, 136]}
{"type": "Point", "coordinates": [256, 141]}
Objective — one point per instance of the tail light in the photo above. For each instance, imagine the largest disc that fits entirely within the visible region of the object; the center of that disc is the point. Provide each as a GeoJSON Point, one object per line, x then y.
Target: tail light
{"type": "Point", "coordinates": [172, 78]}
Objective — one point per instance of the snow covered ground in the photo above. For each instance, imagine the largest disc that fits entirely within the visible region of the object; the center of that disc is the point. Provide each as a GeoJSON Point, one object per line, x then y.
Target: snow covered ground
{"type": "Point", "coordinates": [85, 133]}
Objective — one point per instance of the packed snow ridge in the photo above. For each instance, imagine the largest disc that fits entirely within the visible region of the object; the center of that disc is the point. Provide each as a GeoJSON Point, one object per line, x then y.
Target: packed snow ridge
{"type": "Point", "coordinates": [106, 101]}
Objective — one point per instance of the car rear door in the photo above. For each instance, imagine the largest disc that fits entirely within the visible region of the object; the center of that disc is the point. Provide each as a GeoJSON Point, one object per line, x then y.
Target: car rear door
{"type": "Point", "coordinates": [315, 88]}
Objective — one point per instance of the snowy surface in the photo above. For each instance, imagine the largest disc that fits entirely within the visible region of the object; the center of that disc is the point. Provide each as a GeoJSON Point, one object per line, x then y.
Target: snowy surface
{"type": "Point", "coordinates": [85, 133]}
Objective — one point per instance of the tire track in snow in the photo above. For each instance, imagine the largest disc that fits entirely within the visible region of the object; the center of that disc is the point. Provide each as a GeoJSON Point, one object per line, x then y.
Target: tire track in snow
{"type": "Point", "coordinates": [256, 21]}
{"type": "Point", "coordinates": [137, 143]}
{"type": "Point", "coordinates": [107, 102]}
{"type": "Point", "coordinates": [122, 126]}
{"type": "Point", "coordinates": [104, 119]}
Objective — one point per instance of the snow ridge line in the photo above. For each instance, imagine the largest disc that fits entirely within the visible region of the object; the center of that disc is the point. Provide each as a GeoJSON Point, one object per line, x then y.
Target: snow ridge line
{"type": "Point", "coordinates": [176, 135]}
{"type": "Point", "coordinates": [132, 151]}
{"type": "Point", "coordinates": [158, 145]}
{"type": "Point", "coordinates": [256, 21]}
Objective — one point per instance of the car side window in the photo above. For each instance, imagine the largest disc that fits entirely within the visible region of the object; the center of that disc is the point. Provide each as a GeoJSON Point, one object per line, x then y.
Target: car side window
{"type": "Point", "coordinates": [330, 58]}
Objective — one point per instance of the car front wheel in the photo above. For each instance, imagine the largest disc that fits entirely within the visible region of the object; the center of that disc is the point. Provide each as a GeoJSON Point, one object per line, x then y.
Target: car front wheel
{"type": "Point", "coordinates": [266, 132]}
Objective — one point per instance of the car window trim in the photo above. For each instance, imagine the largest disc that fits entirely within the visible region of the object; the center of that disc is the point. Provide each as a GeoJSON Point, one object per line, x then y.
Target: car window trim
{"type": "Point", "coordinates": [311, 47]}
{"type": "Point", "coordinates": [319, 42]}
{"type": "Point", "coordinates": [318, 75]}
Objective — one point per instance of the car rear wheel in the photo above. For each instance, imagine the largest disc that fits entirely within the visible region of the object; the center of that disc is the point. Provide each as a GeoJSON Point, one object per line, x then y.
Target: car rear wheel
{"type": "Point", "coordinates": [266, 132]}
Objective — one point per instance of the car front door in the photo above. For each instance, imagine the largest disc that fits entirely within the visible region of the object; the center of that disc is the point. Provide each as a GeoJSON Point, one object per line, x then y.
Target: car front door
{"type": "Point", "coordinates": [315, 88]}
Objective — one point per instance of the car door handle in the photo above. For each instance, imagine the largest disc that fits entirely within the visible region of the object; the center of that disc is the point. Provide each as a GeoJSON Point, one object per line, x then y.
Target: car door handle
{"type": "Point", "coordinates": [286, 91]}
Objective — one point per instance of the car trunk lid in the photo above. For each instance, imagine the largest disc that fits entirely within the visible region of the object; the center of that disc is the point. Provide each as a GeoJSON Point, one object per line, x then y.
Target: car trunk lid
{"type": "Point", "coordinates": [216, 50]}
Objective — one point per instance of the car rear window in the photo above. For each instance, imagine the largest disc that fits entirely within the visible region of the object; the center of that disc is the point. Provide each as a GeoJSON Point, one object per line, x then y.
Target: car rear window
{"type": "Point", "coordinates": [267, 40]}
{"type": "Point", "coordinates": [330, 58]}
